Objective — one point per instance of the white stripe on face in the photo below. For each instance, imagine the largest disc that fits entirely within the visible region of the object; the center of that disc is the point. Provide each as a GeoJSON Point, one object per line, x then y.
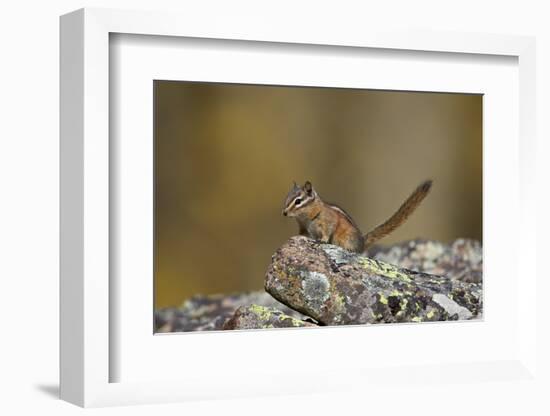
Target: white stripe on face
{"type": "Point", "coordinates": [300, 201]}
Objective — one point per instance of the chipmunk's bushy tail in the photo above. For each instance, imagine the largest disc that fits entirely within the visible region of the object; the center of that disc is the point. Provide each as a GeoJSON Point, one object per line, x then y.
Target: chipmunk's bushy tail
{"type": "Point", "coordinates": [401, 215]}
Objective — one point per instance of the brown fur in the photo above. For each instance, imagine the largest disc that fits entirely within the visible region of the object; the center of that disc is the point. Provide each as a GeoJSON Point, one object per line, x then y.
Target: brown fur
{"type": "Point", "coordinates": [329, 223]}
{"type": "Point", "coordinates": [400, 216]}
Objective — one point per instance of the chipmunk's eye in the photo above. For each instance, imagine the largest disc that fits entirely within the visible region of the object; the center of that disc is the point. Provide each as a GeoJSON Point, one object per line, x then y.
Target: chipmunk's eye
{"type": "Point", "coordinates": [297, 201]}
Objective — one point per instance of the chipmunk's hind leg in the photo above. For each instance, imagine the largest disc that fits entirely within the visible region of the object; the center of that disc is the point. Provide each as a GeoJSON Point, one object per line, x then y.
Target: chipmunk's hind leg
{"type": "Point", "coordinates": [349, 238]}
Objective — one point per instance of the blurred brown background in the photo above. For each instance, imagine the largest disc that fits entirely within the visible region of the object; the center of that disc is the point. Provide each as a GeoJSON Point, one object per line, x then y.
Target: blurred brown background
{"type": "Point", "coordinates": [226, 156]}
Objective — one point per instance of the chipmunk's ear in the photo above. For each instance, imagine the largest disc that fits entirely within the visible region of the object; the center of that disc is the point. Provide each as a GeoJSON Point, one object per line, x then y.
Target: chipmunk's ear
{"type": "Point", "coordinates": [308, 187]}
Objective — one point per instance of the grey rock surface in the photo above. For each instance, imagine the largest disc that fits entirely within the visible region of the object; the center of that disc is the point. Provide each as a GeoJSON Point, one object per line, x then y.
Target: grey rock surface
{"type": "Point", "coordinates": [337, 287]}
{"type": "Point", "coordinates": [440, 282]}
{"type": "Point", "coordinates": [210, 312]}
{"type": "Point", "coordinates": [462, 259]}
{"type": "Point", "coordinates": [261, 317]}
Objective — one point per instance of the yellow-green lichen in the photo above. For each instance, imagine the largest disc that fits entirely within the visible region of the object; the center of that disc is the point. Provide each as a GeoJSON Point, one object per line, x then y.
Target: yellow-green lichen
{"type": "Point", "coordinates": [383, 299]}
{"type": "Point", "coordinates": [261, 312]}
{"type": "Point", "coordinates": [293, 321]}
{"type": "Point", "coordinates": [384, 269]}
{"type": "Point", "coordinates": [430, 314]}
{"type": "Point", "coordinates": [265, 315]}
{"type": "Point", "coordinates": [416, 319]}
{"type": "Point", "coordinates": [339, 304]}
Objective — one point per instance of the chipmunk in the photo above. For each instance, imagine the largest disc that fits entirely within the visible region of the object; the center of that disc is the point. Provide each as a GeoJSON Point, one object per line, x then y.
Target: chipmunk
{"type": "Point", "coordinates": [329, 223]}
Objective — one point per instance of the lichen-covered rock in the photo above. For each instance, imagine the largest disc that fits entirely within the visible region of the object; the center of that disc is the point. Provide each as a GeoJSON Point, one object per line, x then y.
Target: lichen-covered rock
{"type": "Point", "coordinates": [209, 312]}
{"type": "Point", "coordinates": [462, 259]}
{"type": "Point", "coordinates": [261, 317]}
{"type": "Point", "coordinates": [337, 287]}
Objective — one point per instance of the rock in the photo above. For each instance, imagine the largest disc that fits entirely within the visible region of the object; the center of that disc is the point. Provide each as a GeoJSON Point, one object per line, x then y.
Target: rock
{"type": "Point", "coordinates": [338, 287]}
{"type": "Point", "coordinates": [462, 259]}
{"type": "Point", "coordinates": [261, 317]}
{"type": "Point", "coordinates": [209, 312]}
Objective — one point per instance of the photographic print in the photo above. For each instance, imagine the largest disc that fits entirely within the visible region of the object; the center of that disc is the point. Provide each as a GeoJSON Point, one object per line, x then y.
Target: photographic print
{"type": "Point", "coordinates": [303, 207]}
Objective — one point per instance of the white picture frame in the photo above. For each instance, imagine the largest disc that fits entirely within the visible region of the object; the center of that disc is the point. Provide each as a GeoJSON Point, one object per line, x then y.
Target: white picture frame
{"type": "Point", "coordinates": [87, 164]}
